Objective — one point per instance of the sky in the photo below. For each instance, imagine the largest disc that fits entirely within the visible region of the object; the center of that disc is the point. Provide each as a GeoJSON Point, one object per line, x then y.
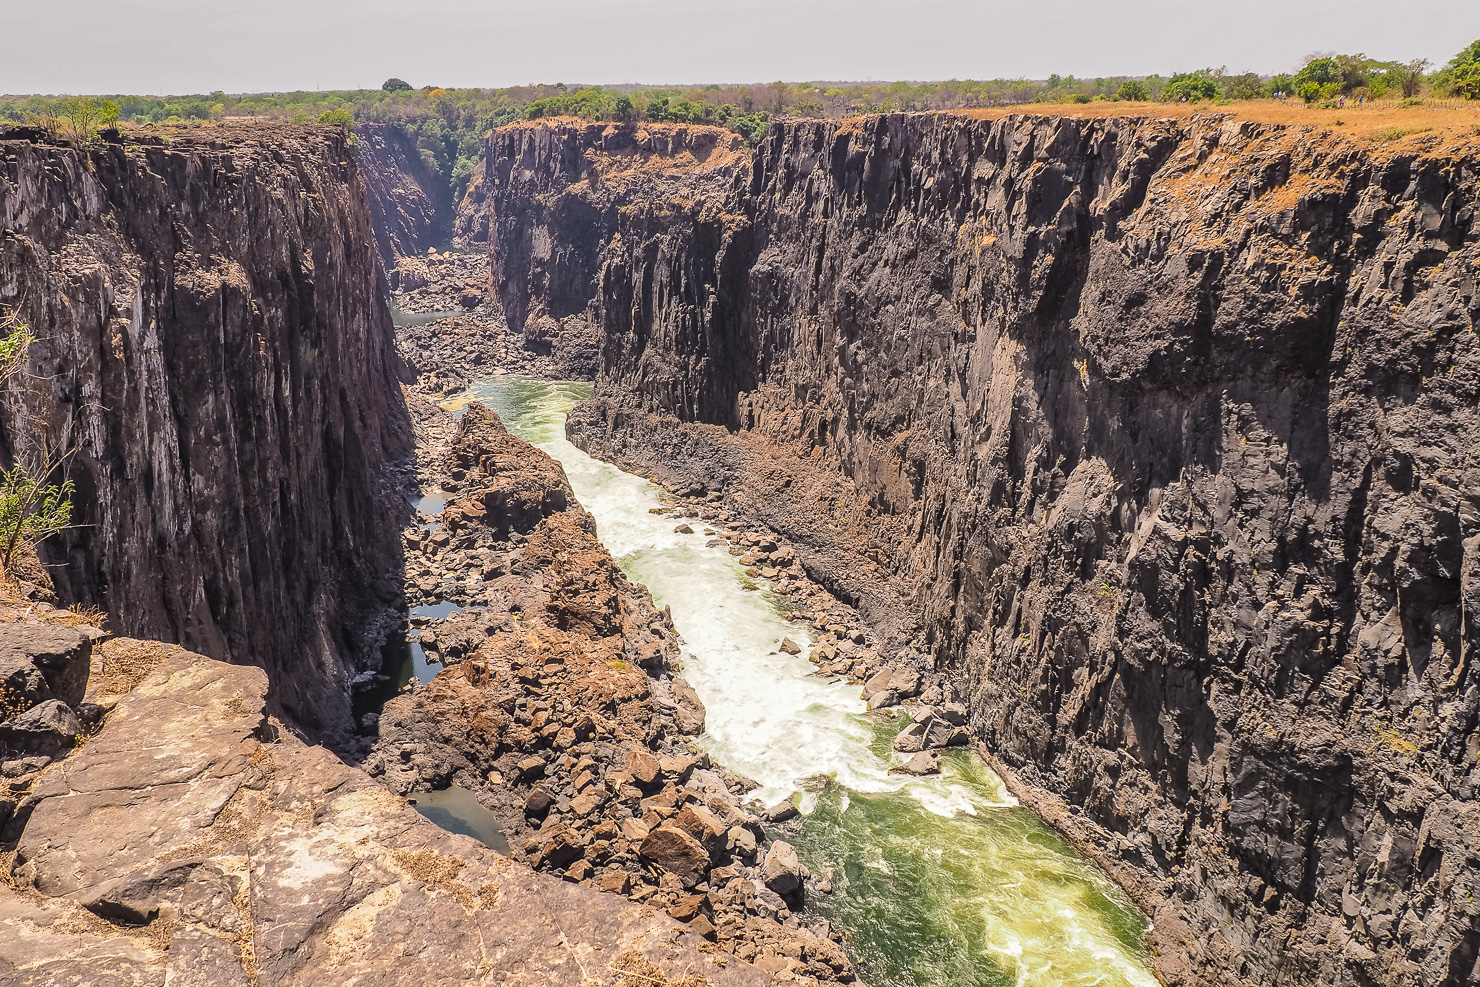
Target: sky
{"type": "Point", "coordinates": [198, 46]}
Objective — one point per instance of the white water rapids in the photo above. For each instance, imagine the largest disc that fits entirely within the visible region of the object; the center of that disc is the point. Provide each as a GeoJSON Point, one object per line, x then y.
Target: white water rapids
{"type": "Point", "coordinates": [938, 881]}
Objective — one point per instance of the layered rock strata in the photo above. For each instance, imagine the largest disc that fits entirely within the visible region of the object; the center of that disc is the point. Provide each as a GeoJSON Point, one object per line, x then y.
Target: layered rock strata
{"type": "Point", "coordinates": [1156, 435]}
{"type": "Point", "coordinates": [193, 839]}
{"type": "Point", "coordinates": [214, 349]}
{"type": "Point", "coordinates": [560, 704]}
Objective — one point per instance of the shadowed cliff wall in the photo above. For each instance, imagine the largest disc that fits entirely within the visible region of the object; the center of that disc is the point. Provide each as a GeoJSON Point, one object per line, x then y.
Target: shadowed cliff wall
{"type": "Point", "coordinates": [214, 344]}
{"type": "Point", "coordinates": [1158, 435]}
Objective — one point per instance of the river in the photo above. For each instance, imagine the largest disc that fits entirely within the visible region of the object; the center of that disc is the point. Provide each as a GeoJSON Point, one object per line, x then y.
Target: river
{"type": "Point", "coordinates": [937, 881]}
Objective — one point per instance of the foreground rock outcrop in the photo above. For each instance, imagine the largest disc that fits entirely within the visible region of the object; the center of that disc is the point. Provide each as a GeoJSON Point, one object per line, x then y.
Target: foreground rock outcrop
{"type": "Point", "coordinates": [214, 348]}
{"type": "Point", "coordinates": [194, 839]}
{"type": "Point", "coordinates": [1155, 435]}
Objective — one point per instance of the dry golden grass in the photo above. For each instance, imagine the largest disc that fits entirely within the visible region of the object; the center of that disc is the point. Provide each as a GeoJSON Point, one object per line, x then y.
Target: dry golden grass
{"type": "Point", "coordinates": [124, 662]}
{"type": "Point", "coordinates": [1379, 121]}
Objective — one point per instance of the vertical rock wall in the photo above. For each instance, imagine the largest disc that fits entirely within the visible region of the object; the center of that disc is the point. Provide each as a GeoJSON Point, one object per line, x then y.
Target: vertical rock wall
{"type": "Point", "coordinates": [214, 347]}
{"type": "Point", "coordinates": [410, 208]}
{"type": "Point", "coordinates": [1157, 435]}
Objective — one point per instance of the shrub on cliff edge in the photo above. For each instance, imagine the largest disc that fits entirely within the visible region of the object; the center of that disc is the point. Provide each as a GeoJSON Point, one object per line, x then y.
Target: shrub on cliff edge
{"type": "Point", "coordinates": [31, 509]}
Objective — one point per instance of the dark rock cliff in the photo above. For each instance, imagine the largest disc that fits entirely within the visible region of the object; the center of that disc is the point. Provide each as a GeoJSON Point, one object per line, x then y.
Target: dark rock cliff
{"type": "Point", "coordinates": [547, 249]}
{"type": "Point", "coordinates": [410, 208]}
{"type": "Point", "coordinates": [1157, 435]}
{"type": "Point", "coordinates": [213, 344]}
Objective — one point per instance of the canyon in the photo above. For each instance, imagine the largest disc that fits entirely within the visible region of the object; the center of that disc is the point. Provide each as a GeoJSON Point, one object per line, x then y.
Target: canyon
{"type": "Point", "coordinates": [1136, 452]}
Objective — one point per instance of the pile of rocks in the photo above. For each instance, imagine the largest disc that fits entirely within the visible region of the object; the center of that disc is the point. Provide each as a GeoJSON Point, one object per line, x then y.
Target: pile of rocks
{"type": "Point", "coordinates": [471, 339]}
{"type": "Point", "coordinates": [559, 705]}
{"type": "Point", "coordinates": [442, 281]}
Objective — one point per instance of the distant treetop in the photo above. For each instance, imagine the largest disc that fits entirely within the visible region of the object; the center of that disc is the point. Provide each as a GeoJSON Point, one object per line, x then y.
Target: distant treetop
{"type": "Point", "coordinates": [394, 85]}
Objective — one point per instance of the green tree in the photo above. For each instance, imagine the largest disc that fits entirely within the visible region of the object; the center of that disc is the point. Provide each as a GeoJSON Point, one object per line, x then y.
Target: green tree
{"type": "Point", "coordinates": [1193, 86]}
{"type": "Point", "coordinates": [83, 116]}
{"type": "Point", "coordinates": [1461, 77]}
{"type": "Point", "coordinates": [394, 85]}
{"type": "Point", "coordinates": [1134, 90]}
{"type": "Point", "coordinates": [1320, 69]}
{"type": "Point", "coordinates": [341, 118]}
{"type": "Point", "coordinates": [1246, 86]}
{"type": "Point", "coordinates": [1410, 76]}
{"type": "Point", "coordinates": [31, 509]}
{"type": "Point", "coordinates": [1281, 83]}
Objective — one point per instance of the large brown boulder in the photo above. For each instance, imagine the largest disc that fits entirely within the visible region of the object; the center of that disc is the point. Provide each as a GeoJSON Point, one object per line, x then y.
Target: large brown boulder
{"type": "Point", "coordinates": [782, 871]}
{"type": "Point", "coordinates": [676, 852]}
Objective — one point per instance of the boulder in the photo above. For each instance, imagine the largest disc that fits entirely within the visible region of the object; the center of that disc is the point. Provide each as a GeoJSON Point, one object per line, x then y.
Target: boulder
{"type": "Point", "coordinates": [676, 852]}
{"type": "Point", "coordinates": [688, 712]}
{"type": "Point", "coordinates": [782, 811]}
{"type": "Point", "coordinates": [21, 683]}
{"type": "Point", "coordinates": [562, 847]}
{"type": "Point", "coordinates": [614, 882]}
{"type": "Point", "coordinates": [741, 841]}
{"type": "Point", "coordinates": [911, 738]}
{"type": "Point", "coordinates": [905, 681]}
{"type": "Point", "coordinates": [538, 804]}
{"type": "Point", "coordinates": [878, 682]}
{"type": "Point", "coordinates": [679, 769]}
{"type": "Point", "coordinates": [790, 647]}
{"type": "Point", "coordinates": [782, 871]}
{"type": "Point", "coordinates": [60, 654]}
{"type": "Point", "coordinates": [642, 766]}
{"type": "Point", "coordinates": [883, 699]}
{"type": "Point", "coordinates": [923, 763]}
{"type": "Point", "coordinates": [953, 713]}
{"type": "Point", "coordinates": [703, 826]}
{"type": "Point", "coordinates": [634, 829]}
{"type": "Point", "coordinates": [940, 733]}
{"type": "Point", "coordinates": [47, 730]}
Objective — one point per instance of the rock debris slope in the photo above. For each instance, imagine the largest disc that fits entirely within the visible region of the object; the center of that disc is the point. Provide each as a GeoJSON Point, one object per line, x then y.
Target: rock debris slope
{"type": "Point", "coordinates": [214, 345]}
{"type": "Point", "coordinates": [559, 702]}
{"type": "Point", "coordinates": [1158, 436]}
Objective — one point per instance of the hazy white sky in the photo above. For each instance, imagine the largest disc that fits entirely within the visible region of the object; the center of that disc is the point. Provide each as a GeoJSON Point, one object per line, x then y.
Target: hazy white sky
{"type": "Point", "coordinates": [182, 46]}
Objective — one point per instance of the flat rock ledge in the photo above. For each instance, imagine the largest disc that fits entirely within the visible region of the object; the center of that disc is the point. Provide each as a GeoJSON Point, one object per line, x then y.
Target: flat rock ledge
{"type": "Point", "coordinates": [195, 841]}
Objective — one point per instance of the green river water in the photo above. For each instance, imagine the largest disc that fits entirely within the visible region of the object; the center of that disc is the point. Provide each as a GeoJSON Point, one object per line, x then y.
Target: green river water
{"type": "Point", "coordinates": [937, 881]}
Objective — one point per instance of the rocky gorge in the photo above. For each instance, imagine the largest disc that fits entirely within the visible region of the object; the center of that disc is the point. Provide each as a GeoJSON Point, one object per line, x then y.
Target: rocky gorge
{"type": "Point", "coordinates": [1151, 435]}
{"type": "Point", "coordinates": [1130, 453]}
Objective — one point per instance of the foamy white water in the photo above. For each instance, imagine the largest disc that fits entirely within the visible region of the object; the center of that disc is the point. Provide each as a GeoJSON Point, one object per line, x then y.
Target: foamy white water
{"type": "Point", "coordinates": [940, 881]}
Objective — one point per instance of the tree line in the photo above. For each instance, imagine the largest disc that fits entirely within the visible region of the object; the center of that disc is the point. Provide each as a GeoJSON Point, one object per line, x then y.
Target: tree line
{"type": "Point", "coordinates": [447, 125]}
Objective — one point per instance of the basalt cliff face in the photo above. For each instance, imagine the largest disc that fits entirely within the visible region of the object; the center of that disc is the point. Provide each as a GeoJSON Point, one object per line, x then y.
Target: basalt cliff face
{"type": "Point", "coordinates": [551, 219]}
{"type": "Point", "coordinates": [410, 209]}
{"type": "Point", "coordinates": [214, 347]}
{"type": "Point", "coordinates": [1158, 436]}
